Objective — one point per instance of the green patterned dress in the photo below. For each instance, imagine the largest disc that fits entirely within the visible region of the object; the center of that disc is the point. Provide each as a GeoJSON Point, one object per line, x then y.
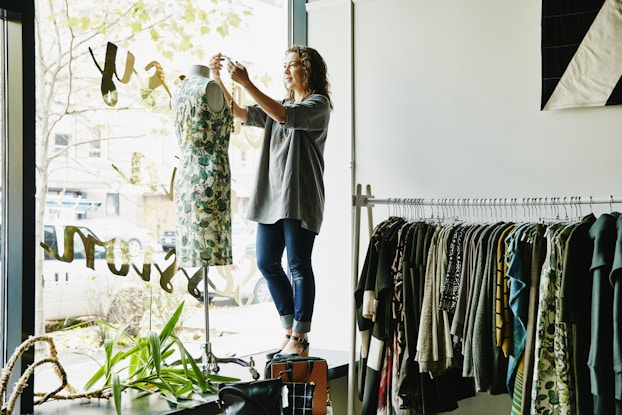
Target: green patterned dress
{"type": "Point", "coordinates": [553, 388]}
{"type": "Point", "coordinates": [202, 188]}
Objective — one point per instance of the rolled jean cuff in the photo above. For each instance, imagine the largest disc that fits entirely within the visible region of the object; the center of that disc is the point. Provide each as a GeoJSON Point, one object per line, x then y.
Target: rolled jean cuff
{"type": "Point", "coordinates": [301, 326]}
{"type": "Point", "coordinates": [287, 321]}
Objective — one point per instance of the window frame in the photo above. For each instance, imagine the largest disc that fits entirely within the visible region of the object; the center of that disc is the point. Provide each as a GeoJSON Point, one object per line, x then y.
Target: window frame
{"type": "Point", "coordinates": [18, 188]}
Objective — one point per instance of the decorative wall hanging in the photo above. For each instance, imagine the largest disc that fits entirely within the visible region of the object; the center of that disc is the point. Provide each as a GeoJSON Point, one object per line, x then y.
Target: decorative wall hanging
{"type": "Point", "coordinates": [581, 53]}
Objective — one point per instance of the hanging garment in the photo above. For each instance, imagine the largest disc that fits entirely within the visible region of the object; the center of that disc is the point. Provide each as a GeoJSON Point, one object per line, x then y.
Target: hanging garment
{"type": "Point", "coordinates": [467, 271]}
{"type": "Point", "coordinates": [518, 261]}
{"type": "Point", "coordinates": [364, 298]}
{"type": "Point", "coordinates": [451, 283]}
{"type": "Point", "coordinates": [504, 318]}
{"type": "Point", "coordinates": [486, 360]}
{"type": "Point", "coordinates": [430, 353]}
{"type": "Point", "coordinates": [503, 326]}
{"type": "Point", "coordinates": [399, 401]}
{"type": "Point", "coordinates": [576, 303]}
{"type": "Point", "coordinates": [202, 187]}
{"type": "Point", "coordinates": [600, 360]}
{"type": "Point", "coordinates": [477, 344]}
{"type": "Point", "coordinates": [412, 387]}
{"type": "Point", "coordinates": [553, 377]}
{"type": "Point", "coordinates": [378, 282]}
{"type": "Point", "coordinates": [615, 280]}
{"type": "Point", "coordinates": [519, 298]}
{"type": "Point", "coordinates": [536, 254]}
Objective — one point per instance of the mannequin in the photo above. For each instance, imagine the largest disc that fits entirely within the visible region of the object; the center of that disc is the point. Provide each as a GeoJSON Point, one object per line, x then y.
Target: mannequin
{"type": "Point", "coordinates": [202, 187]}
{"type": "Point", "coordinates": [215, 97]}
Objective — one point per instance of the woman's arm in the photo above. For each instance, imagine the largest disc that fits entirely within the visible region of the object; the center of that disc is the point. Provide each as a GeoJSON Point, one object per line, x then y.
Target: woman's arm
{"type": "Point", "coordinates": [215, 66]}
{"type": "Point", "coordinates": [273, 108]}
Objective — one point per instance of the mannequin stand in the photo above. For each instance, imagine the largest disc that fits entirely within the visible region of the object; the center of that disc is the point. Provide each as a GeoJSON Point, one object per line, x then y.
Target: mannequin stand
{"type": "Point", "coordinates": [210, 361]}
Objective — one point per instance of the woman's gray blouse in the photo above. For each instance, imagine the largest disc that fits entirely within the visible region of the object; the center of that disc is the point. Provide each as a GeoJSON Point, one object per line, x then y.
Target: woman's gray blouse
{"type": "Point", "coordinates": [289, 181]}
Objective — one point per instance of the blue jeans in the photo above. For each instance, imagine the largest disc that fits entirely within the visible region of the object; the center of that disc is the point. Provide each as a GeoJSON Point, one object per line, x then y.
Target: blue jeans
{"type": "Point", "coordinates": [294, 300]}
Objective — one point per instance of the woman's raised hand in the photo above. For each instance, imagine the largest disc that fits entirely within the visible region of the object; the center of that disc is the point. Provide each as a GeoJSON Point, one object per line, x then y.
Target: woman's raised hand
{"type": "Point", "coordinates": [238, 72]}
{"type": "Point", "coordinates": [215, 65]}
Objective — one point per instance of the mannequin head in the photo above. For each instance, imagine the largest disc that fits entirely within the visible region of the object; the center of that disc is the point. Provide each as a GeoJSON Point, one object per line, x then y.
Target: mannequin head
{"type": "Point", "coordinates": [199, 70]}
{"type": "Point", "coordinates": [213, 93]}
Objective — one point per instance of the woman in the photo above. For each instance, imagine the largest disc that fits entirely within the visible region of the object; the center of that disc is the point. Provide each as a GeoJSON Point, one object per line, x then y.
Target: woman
{"type": "Point", "coordinates": [287, 200]}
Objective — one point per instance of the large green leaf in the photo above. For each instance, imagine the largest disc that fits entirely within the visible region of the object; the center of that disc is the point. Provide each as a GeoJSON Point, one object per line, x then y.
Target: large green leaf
{"type": "Point", "coordinates": [116, 392]}
{"type": "Point", "coordinates": [155, 351]}
{"type": "Point", "coordinates": [197, 373]}
{"type": "Point", "coordinates": [99, 373]}
{"type": "Point", "coordinates": [172, 322]}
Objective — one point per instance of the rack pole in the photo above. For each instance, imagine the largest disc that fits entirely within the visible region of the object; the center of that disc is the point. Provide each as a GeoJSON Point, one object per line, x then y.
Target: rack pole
{"type": "Point", "coordinates": [525, 201]}
{"type": "Point", "coordinates": [356, 233]}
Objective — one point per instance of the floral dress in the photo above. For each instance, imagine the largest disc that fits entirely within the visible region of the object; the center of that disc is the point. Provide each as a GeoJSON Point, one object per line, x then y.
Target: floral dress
{"type": "Point", "coordinates": [553, 382]}
{"type": "Point", "coordinates": [202, 187]}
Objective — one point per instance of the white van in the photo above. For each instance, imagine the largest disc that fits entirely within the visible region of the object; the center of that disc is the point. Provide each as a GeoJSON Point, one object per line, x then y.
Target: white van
{"type": "Point", "coordinates": [71, 289]}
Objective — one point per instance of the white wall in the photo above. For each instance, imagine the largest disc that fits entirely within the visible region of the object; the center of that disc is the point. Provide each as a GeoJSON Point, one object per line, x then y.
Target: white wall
{"type": "Point", "coordinates": [332, 321]}
{"type": "Point", "coordinates": [447, 105]}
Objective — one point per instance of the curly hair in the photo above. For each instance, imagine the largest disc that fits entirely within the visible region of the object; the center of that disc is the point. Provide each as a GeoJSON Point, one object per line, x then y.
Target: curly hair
{"type": "Point", "coordinates": [315, 72]}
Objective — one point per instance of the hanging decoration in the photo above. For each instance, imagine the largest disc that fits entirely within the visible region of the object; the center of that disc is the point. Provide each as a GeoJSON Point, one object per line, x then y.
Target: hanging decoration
{"type": "Point", "coordinates": [581, 54]}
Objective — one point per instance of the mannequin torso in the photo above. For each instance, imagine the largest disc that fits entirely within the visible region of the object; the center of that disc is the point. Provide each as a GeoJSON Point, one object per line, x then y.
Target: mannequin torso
{"type": "Point", "coordinates": [202, 188]}
{"type": "Point", "coordinates": [215, 97]}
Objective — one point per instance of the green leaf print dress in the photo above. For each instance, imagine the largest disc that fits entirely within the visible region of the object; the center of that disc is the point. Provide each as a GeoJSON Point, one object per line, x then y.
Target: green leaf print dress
{"type": "Point", "coordinates": [202, 187]}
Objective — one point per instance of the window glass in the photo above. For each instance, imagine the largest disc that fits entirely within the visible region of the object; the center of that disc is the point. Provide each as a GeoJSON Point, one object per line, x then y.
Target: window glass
{"type": "Point", "coordinates": [107, 155]}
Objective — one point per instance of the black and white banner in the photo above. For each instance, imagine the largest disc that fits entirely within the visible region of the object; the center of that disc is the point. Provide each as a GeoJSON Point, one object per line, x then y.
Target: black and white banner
{"type": "Point", "coordinates": [581, 53]}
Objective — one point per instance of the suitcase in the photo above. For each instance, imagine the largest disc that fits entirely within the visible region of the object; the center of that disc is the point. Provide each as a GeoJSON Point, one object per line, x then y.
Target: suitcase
{"type": "Point", "coordinates": [303, 369]}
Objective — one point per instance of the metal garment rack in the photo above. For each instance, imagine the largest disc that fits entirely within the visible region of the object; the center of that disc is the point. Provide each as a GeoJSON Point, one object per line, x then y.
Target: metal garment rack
{"type": "Point", "coordinates": [443, 205]}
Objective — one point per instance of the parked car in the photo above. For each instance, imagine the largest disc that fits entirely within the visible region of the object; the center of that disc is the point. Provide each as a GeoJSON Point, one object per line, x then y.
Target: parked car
{"type": "Point", "coordinates": [71, 289]}
{"type": "Point", "coordinates": [249, 283]}
{"type": "Point", "coordinates": [137, 238]}
{"type": "Point", "coordinates": [241, 281]}
{"type": "Point", "coordinates": [167, 240]}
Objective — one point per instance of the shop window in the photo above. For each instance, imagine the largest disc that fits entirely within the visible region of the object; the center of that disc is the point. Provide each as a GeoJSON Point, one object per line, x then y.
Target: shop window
{"type": "Point", "coordinates": [123, 171]}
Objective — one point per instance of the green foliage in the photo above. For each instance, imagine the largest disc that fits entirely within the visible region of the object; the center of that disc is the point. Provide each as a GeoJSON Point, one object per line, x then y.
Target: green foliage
{"type": "Point", "coordinates": [157, 363]}
{"type": "Point", "coordinates": [173, 23]}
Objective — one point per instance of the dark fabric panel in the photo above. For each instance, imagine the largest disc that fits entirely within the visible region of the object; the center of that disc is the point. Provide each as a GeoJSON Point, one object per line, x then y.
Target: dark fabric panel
{"type": "Point", "coordinates": [555, 7]}
{"type": "Point", "coordinates": [616, 94]}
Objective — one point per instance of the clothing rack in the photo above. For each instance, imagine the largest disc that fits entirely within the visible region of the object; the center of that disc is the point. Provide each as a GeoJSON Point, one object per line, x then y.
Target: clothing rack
{"type": "Point", "coordinates": [441, 208]}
